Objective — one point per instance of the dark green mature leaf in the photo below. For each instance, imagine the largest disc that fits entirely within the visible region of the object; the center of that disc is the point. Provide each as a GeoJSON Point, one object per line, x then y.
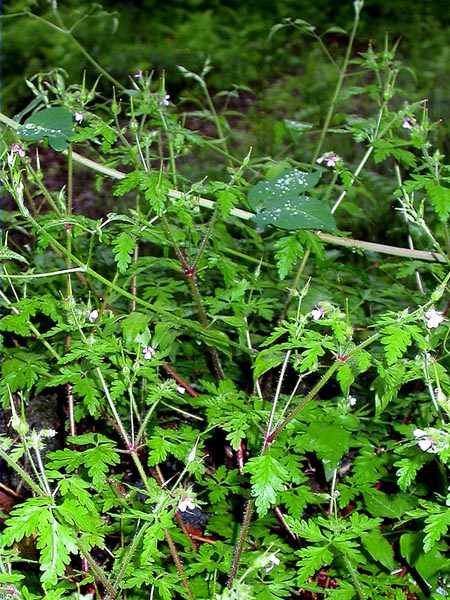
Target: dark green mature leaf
{"type": "Point", "coordinates": [391, 506]}
{"type": "Point", "coordinates": [289, 185]}
{"type": "Point", "coordinates": [379, 548]}
{"type": "Point", "coordinates": [282, 202]}
{"type": "Point", "coordinates": [54, 123]}
{"type": "Point", "coordinates": [297, 213]}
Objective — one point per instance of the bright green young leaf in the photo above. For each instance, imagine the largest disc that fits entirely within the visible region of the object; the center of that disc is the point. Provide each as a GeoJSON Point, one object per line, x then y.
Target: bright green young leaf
{"type": "Point", "coordinates": [267, 477]}
{"type": "Point", "coordinates": [329, 441]}
{"type": "Point", "coordinates": [266, 360]}
{"type": "Point", "coordinates": [436, 527]}
{"type": "Point", "coordinates": [289, 250]}
{"type": "Point", "coordinates": [123, 247]}
{"type": "Point", "coordinates": [54, 123]}
{"type": "Point", "coordinates": [312, 558]}
{"type": "Point", "coordinates": [440, 199]}
{"type": "Point", "coordinates": [134, 325]}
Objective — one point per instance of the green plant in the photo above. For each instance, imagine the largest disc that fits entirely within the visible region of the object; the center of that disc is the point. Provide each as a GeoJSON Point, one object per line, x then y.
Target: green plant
{"type": "Point", "coordinates": [250, 409]}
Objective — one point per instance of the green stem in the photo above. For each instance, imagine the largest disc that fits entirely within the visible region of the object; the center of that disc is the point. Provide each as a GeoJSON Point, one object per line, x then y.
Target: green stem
{"type": "Point", "coordinates": [243, 534]}
{"type": "Point", "coordinates": [99, 573]}
{"type": "Point", "coordinates": [23, 474]}
{"type": "Point", "coordinates": [216, 118]}
{"type": "Point", "coordinates": [69, 205]}
{"type": "Point", "coordinates": [294, 285]}
{"type": "Point", "coordinates": [337, 90]}
{"type": "Point", "coordinates": [140, 468]}
{"type": "Point", "coordinates": [83, 50]}
{"type": "Point", "coordinates": [245, 528]}
{"type": "Point", "coordinates": [203, 318]}
{"type": "Point", "coordinates": [129, 555]}
{"type": "Point", "coordinates": [354, 577]}
{"type": "Point", "coordinates": [206, 237]}
{"type": "Point", "coordinates": [323, 134]}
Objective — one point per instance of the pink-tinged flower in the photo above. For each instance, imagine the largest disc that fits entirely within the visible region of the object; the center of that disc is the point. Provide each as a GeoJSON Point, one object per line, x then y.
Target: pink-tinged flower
{"type": "Point", "coordinates": [432, 440]}
{"type": "Point", "coordinates": [165, 100]}
{"type": "Point", "coordinates": [93, 316]}
{"type": "Point", "coordinates": [330, 159]}
{"type": "Point", "coordinates": [434, 318]}
{"type": "Point", "coordinates": [149, 352]}
{"type": "Point", "coordinates": [17, 149]}
{"type": "Point", "coordinates": [78, 117]}
{"type": "Point", "coordinates": [139, 74]}
{"type": "Point", "coordinates": [186, 503]}
{"type": "Point", "coordinates": [408, 123]}
{"type": "Point", "coordinates": [317, 313]}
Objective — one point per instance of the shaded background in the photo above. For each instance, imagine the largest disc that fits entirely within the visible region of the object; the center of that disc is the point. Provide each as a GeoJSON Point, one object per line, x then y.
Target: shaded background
{"type": "Point", "coordinates": [152, 34]}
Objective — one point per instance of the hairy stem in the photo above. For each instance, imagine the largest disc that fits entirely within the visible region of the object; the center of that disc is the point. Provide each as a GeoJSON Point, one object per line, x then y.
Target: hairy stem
{"type": "Point", "coordinates": [245, 528]}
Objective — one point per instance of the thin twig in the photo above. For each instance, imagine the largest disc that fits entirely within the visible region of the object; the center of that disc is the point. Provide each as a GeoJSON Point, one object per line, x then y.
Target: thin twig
{"type": "Point", "coordinates": [246, 215]}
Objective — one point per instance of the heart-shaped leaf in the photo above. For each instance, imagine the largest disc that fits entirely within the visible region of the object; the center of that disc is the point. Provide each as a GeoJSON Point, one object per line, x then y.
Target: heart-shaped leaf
{"type": "Point", "coordinates": [55, 124]}
{"type": "Point", "coordinates": [282, 202]}
{"type": "Point", "coordinates": [302, 212]}
{"type": "Point", "coordinates": [288, 185]}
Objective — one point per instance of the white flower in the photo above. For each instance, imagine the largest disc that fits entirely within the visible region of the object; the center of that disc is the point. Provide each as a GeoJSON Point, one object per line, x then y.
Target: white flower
{"type": "Point", "coordinates": [434, 318]}
{"type": "Point", "coordinates": [186, 503]}
{"type": "Point", "coordinates": [78, 117]}
{"type": "Point", "coordinates": [48, 433]}
{"type": "Point", "coordinates": [138, 74]}
{"type": "Point", "coordinates": [181, 389]}
{"type": "Point", "coordinates": [408, 123]}
{"type": "Point", "coordinates": [431, 440]}
{"type": "Point", "coordinates": [317, 313]}
{"type": "Point", "coordinates": [165, 100]}
{"type": "Point", "coordinates": [330, 159]}
{"type": "Point", "coordinates": [191, 456]}
{"type": "Point", "coordinates": [351, 400]}
{"type": "Point", "coordinates": [35, 439]}
{"type": "Point", "coordinates": [148, 352]}
{"type": "Point", "coordinates": [270, 562]}
{"type": "Point", "coordinates": [93, 316]}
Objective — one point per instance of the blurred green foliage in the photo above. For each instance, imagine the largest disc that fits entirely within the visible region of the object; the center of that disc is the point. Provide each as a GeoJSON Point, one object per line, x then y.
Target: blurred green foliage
{"type": "Point", "coordinates": [151, 34]}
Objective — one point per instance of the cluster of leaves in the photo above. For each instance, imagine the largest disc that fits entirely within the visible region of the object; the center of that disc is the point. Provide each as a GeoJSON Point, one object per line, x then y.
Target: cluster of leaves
{"type": "Point", "coordinates": [205, 367]}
